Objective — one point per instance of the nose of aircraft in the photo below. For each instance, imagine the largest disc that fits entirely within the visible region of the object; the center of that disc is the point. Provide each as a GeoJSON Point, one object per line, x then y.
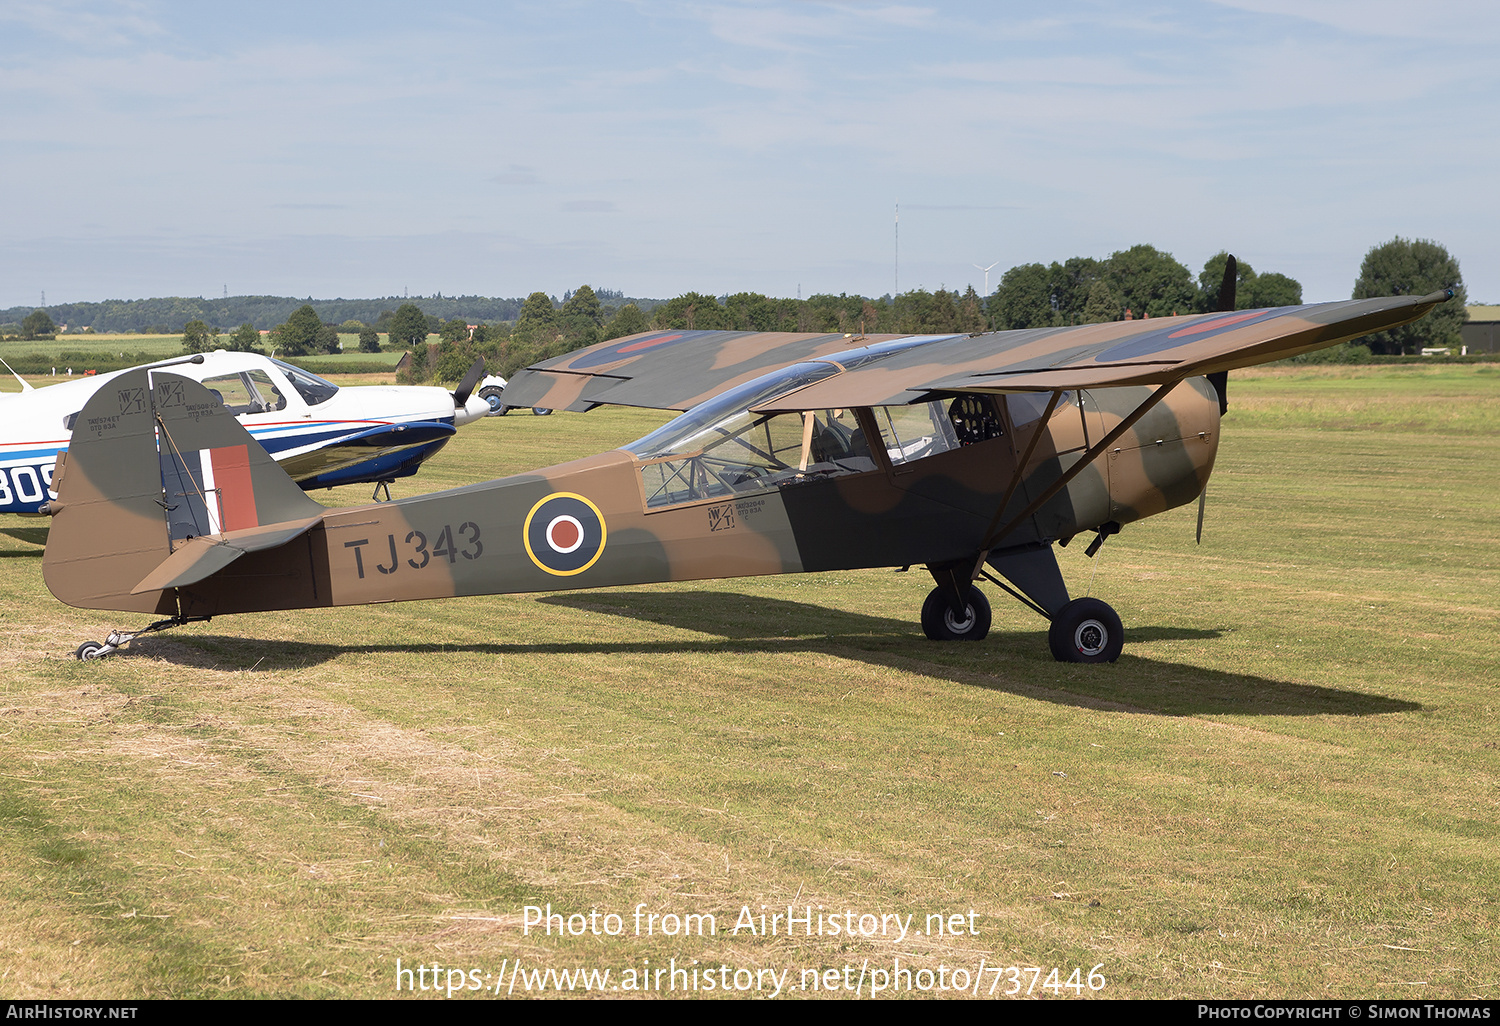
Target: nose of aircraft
{"type": "Point", "coordinates": [473, 409]}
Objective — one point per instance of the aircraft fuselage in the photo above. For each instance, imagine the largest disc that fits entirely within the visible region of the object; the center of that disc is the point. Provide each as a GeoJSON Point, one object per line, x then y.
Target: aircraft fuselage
{"type": "Point", "coordinates": [592, 523]}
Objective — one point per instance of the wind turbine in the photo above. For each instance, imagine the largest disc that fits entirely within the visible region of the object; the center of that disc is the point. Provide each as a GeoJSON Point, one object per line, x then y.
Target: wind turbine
{"type": "Point", "coordinates": [986, 271]}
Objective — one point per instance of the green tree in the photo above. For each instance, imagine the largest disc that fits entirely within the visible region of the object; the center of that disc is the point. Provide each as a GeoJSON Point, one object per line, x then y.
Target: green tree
{"type": "Point", "coordinates": [693, 311]}
{"type": "Point", "coordinates": [408, 327]}
{"type": "Point", "coordinates": [455, 330]}
{"type": "Point", "coordinates": [1211, 278]}
{"type": "Point", "coordinates": [750, 311]}
{"type": "Point", "coordinates": [537, 312]}
{"type": "Point", "coordinates": [971, 318]}
{"type": "Point", "coordinates": [629, 321]}
{"type": "Point", "coordinates": [1102, 305]}
{"type": "Point", "coordinates": [1251, 292]}
{"type": "Point", "coordinates": [327, 339]}
{"type": "Point", "coordinates": [299, 335]}
{"type": "Point", "coordinates": [1407, 267]}
{"type": "Point", "coordinates": [369, 340]}
{"type": "Point", "coordinates": [38, 325]}
{"type": "Point", "coordinates": [1073, 282]}
{"type": "Point", "coordinates": [583, 306]}
{"type": "Point", "coordinates": [1151, 283]}
{"type": "Point", "coordinates": [582, 319]}
{"type": "Point", "coordinates": [537, 332]}
{"type": "Point", "coordinates": [245, 339]}
{"type": "Point", "coordinates": [1270, 289]}
{"type": "Point", "coordinates": [452, 365]}
{"type": "Point", "coordinates": [198, 337]}
{"type": "Point", "coordinates": [1024, 298]}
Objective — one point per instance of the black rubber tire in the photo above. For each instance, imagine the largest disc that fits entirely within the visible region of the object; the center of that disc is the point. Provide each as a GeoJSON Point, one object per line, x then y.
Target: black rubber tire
{"type": "Point", "coordinates": [89, 650]}
{"type": "Point", "coordinates": [540, 411]}
{"type": "Point", "coordinates": [1086, 631]}
{"type": "Point", "coordinates": [491, 395]}
{"type": "Point", "coordinates": [939, 624]}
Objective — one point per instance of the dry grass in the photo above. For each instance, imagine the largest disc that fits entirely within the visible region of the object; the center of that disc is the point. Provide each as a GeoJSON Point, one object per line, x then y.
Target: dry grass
{"type": "Point", "coordinates": [1287, 787]}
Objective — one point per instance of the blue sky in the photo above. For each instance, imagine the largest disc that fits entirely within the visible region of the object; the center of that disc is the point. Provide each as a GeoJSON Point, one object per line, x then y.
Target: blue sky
{"type": "Point", "coordinates": [343, 149]}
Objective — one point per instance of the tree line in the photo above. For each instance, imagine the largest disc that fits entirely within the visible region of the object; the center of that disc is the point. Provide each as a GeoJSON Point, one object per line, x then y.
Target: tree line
{"type": "Point", "coordinates": [1137, 282]}
{"type": "Point", "coordinates": [168, 315]}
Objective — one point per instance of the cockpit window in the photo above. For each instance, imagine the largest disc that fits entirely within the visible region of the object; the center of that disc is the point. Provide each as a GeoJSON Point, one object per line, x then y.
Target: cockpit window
{"type": "Point", "coordinates": [750, 452]}
{"type": "Point", "coordinates": [700, 424]}
{"type": "Point", "coordinates": [266, 391]}
{"type": "Point", "coordinates": [246, 392]}
{"type": "Point", "coordinates": [313, 389]}
{"type": "Point", "coordinates": [721, 448]}
{"type": "Point", "coordinates": [914, 432]}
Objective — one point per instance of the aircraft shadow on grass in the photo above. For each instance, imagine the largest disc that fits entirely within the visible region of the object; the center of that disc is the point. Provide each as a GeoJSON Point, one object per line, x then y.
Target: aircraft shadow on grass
{"type": "Point", "coordinates": [30, 535]}
{"type": "Point", "coordinates": [743, 624]}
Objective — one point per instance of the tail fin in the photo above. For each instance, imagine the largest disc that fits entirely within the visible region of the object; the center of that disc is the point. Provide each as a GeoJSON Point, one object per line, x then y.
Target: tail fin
{"type": "Point", "coordinates": [156, 462]}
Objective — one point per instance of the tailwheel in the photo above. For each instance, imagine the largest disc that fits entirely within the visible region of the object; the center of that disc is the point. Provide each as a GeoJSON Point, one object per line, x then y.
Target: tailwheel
{"type": "Point", "coordinates": [940, 623]}
{"type": "Point", "coordinates": [119, 639]}
{"type": "Point", "coordinates": [1086, 631]}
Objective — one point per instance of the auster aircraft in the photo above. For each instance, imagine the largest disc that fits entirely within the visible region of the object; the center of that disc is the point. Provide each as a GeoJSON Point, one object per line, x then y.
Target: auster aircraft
{"type": "Point", "coordinates": [969, 455]}
{"type": "Point", "coordinates": [321, 434]}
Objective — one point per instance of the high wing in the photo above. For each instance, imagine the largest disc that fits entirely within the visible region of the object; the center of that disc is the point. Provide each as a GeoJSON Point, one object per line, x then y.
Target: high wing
{"type": "Point", "coordinates": [671, 370]}
{"type": "Point", "coordinates": [677, 370]}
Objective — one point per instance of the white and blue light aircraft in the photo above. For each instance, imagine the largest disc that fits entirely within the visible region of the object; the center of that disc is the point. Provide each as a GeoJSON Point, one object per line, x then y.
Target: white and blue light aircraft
{"type": "Point", "coordinates": [321, 435]}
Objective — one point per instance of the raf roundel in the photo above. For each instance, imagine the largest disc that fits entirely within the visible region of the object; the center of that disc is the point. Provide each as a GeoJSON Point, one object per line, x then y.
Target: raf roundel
{"type": "Point", "coordinates": [564, 534]}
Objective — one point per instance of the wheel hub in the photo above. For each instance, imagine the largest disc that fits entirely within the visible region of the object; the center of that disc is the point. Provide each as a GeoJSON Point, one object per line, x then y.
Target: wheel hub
{"type": "Point", "coordinates": [1091, 637]}
{"type": "Point", "coordinates": [960, 626]}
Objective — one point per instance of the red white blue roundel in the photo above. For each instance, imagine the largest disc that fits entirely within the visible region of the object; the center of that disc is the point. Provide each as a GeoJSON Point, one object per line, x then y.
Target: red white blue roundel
{"type": "Point", "coordinates": [564, 534]}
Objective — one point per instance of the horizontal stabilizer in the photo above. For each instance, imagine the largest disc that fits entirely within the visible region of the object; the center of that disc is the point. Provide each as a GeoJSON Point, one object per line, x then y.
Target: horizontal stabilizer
{"type": "Point", "coordinates": [204, 556]}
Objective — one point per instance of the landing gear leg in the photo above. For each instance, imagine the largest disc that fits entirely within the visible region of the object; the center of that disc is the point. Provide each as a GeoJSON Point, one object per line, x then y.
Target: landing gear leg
{"type": "Point", "coordinates": [955, 610]}
{"type": "Point", "coordinates": [381, 486]}
{"type": "Point", "coordinates": [119, 639]}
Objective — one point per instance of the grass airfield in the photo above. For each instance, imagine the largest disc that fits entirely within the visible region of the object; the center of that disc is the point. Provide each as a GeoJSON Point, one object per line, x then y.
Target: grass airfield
{"type": "Point", "coordinates": [1288, 786]}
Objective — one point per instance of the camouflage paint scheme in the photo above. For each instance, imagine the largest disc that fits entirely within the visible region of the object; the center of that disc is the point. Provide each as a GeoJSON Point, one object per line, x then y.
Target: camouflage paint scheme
{"type": "Point", "coordinates": [1058, 427]}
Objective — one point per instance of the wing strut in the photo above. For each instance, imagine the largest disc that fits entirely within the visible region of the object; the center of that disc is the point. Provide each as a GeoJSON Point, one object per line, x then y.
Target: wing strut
{"type": "Point", "coordinates": [1015, 482]}
{"type": "Point", "coordinates": [1062, 482]}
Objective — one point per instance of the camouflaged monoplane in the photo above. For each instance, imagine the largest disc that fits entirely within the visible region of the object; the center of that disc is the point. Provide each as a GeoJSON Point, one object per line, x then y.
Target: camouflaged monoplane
{"type": "Point", "coordinates": [970, 455]}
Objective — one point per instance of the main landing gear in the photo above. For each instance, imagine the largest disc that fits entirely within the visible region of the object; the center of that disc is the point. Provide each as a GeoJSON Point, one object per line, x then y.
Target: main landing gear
{"type": "Point", "coordinates": [940, 623]}
{"type": "Point", "coordinates": [1086, 631]}
{"type": "Point", "coordinates": [119, 639]}
{"type": "Point", "coordinates": [1083, 630]}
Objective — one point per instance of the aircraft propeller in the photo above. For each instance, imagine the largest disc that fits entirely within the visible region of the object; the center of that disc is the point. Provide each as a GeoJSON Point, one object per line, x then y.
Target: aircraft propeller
{"type": "Point", "coordinates": [466, 386]}
{"type": "Point", "coordinates": [1220, 380]}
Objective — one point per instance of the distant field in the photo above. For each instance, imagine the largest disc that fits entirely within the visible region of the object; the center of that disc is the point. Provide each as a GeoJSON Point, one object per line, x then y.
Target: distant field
{"type": "Point", "coordinates": [1288, 786]}
{"type": "Point", "coordinates": [156, 347]}
{"type": "Point", "coordinates": [1464, 398]}
{"type": "Point", "coordinates": [114, 352]}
